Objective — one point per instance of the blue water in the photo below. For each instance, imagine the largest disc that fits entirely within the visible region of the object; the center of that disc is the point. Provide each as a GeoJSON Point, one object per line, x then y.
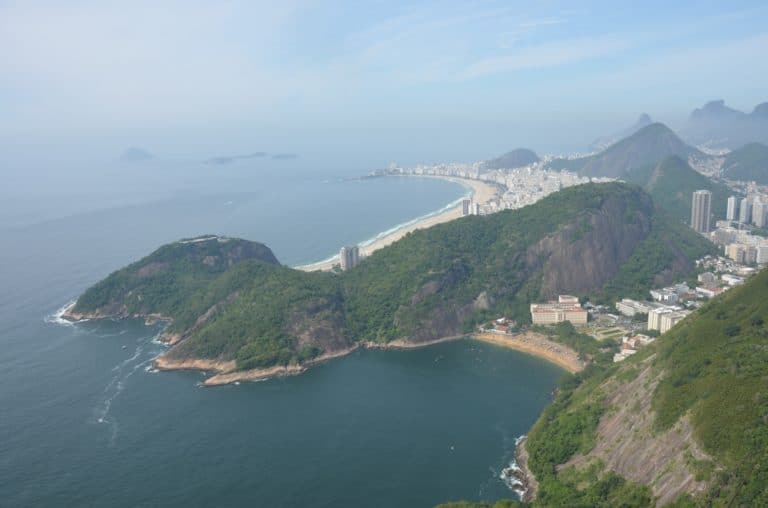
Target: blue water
{"type": "Point", "coordinates": [86, 422]}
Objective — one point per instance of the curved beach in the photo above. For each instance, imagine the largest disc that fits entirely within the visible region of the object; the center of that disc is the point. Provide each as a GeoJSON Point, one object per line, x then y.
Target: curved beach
{"type": "Point", "coordinates": [537, 345]}
{"type": "Point", "coordinates": [481, 192]}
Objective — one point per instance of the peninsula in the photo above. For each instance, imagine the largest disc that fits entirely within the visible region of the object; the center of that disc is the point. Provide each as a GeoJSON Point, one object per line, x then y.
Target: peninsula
{"type": "Point", "coordinates": [233, 309]}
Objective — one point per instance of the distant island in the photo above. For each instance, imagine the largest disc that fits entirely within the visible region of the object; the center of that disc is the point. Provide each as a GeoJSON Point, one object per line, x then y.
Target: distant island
{"type": "Point", "coordinates": [228, 159]}
{"type": "Point", "coordinates": [284, 156]}
{"type": "Point", "coordinates": [136, 154]}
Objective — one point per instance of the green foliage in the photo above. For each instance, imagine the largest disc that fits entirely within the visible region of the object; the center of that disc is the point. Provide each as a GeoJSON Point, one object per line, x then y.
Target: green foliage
{"type": "Point", "coordinates": [667, 242]}
{"type": "Point", "coordinates": [671, 184]}
{"type": "Point", "coordinates": [748, 163]}
{"type": "Point", "coordinates": [232, 301]}
{"type": "Point", "coordinates": [715, 366]}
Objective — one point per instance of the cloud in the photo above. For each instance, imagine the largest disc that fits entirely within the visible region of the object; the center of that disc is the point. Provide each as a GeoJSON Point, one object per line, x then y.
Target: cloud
{"type": "Point", "coordinates": [551, 54]}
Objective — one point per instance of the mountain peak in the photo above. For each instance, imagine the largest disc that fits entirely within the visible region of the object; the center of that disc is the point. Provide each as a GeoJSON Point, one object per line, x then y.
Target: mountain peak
{"type": "Point", "coordinates": [516, 158]}
{"type": "Point", "coordinates": [136, 154]}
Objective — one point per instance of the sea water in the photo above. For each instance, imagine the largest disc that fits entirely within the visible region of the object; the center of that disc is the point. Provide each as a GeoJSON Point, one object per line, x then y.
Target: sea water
{"type": "Point", "coordinates": [86, 421]}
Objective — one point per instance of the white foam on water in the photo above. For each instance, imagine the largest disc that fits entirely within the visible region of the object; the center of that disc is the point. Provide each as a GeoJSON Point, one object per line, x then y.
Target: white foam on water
{"type": "Point", "coordinates": [57, 319]}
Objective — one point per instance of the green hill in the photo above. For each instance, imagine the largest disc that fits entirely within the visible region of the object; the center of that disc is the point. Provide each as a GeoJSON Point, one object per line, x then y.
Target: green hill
{"type": "Point", "coordinates": [671, 184]}
{"type": "Point", "coordinates": [647, 146]}
{"type": "Point", "coordinates": [684, 421]}
{"type": "Point", "coordinates": [748, 163]}
{"type": "Point", "coordinates": [601, 240]}
{"type": "Point", "coordinates": [515, 159]}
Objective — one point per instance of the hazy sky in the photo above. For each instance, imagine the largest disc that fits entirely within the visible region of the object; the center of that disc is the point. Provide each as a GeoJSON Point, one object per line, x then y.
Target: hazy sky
{"type": "Point", "coordinates": [369, 80]}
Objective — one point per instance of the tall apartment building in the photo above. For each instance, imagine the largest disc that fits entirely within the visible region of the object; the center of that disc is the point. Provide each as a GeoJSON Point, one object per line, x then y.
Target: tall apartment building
{"type": "Point", "coordinates": [745, 211]}
{"type": "Point", "coordinates": [759, 211]}
{"type": "Point", "coordinates": [350, 257]}
{"type": "Point", "coordinates": [733, 209]}
{"type": "Point", "coordinates": [466, 206]}
{"type": "Point", "coordinates": [701, 209]}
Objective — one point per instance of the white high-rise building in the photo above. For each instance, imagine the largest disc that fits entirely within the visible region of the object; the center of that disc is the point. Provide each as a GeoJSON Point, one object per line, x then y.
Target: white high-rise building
{"type": "Point", "coordinates": [745, 211]}
{"type": "Point", "coordinates": [733, 208]}
{"type": "Point", "coordinates": [759, 210]}
{"type": "Point", "coordinates": [701, 207]}
{"type": "Point", "coordinates": [350, 257]}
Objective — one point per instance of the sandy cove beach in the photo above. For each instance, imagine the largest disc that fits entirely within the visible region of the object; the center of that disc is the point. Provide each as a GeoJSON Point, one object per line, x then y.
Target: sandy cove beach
{"type": "Point", "coordinates": [482, 192]}
{"type": "Point", "coordinates": [537, 345]}
{"type": "Point", "coordinates": [224, 371]}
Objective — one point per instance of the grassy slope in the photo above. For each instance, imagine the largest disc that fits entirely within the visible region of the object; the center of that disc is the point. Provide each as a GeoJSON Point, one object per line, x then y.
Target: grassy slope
{"type": "Point", "coordinates": [671, 184]}
{"type": "Point", "coordinates": [748, 163]}
{"type": "Point", "coordinates": [714, 365]}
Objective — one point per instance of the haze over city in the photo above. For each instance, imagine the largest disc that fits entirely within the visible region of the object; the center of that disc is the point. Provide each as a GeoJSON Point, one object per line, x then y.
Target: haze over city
{"type": "Point", "coordinates": [362, 84]}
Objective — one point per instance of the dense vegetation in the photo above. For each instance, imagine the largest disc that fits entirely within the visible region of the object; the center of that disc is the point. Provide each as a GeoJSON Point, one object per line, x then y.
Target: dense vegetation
{"type": "Point", "coordinates": [647, 146]}
{"type": "Point", "coordinates": [748, 163]}
{"type": "Point", "coordinates": [671, 184]}
{"type": "Point", "coordinates": [716, 368]}
{"type": "Point", "coordinates": [231, 300]}
{"type": "Point", "coordinates": [713, 366]}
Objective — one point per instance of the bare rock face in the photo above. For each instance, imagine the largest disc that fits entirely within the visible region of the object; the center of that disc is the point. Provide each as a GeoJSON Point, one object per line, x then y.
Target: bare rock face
{"type": "Point", "coordinates": [585, 254]}
{"type": "Point", "coordinates": [628, 444]}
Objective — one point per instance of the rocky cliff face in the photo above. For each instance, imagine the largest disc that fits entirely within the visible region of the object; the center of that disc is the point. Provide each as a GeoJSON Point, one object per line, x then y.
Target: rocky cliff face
{"type": "Point", "coordinates": [587, 253]}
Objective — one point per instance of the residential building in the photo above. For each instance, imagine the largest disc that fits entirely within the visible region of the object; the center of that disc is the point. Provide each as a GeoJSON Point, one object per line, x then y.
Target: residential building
{"type": "Point", "coordinates": [759, 210]}
{"type": "Point", "coordinates": [466, 206]}
{"type": "Point", "coordinates": [567, 308]}
{"type": "Point", "coordinates": [350, 257]}
{"type": "Point", "coordinates": [745, 211]}
{"type": "Point", "coordinates": [701, 210]}
{"type": "Point", "coordinates": [733, 209]}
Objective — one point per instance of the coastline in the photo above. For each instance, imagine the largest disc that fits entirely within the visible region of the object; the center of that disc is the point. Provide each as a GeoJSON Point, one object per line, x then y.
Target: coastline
{"type": "Point", "coordinates": [226, 373]}
{"type": "Point", "coordinates": [537, 345]}
{"type": "Point", "coordinates": [481, 192]}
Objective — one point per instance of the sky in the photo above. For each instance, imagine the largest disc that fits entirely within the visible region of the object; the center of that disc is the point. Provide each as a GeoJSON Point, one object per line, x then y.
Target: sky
{"type": "Point", "coordinates": [364, 82]}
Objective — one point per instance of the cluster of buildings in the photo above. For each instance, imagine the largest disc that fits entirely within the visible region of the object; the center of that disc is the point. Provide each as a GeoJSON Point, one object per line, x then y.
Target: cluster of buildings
{"type": "Point", "coordinates": [520, 186]}
{"type": "Point", "coordinates": [566, 308]}
{"type": "Point", "coordinates": [739, 243]}
{"type": "Point", "coordinates": [630, 344]}
{"type": "Point", "coordinates": [349, 257]}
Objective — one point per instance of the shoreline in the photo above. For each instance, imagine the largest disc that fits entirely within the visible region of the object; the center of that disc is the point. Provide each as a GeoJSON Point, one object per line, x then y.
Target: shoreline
{"type": "Point", "coordinates": [481, 192]}
{"type": "Point", "coordinates": [224, 371]}
{"type": "Point", "coordinates": [536, 345]}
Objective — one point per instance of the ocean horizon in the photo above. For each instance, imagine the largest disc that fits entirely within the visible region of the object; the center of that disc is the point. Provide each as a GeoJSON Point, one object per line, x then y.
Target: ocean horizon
{"type": "Point", "coordinates": [88, 421]}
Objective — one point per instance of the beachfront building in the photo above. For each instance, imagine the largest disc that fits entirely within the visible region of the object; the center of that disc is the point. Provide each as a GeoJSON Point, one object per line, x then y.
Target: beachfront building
{"type": "Point", "coordinates": [566, 308]}
{"type": "Point", "coordinates": [466, 206]}
{"type": "Point", "coordinates": [349, 256]}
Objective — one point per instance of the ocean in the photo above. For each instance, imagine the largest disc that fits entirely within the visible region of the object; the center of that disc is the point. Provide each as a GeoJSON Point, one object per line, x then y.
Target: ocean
{"type": "Point", "coordinates": [87, 422]}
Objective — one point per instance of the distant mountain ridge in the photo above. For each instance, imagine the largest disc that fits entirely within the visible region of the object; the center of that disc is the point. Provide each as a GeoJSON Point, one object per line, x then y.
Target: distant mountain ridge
{"type": "Point", "coordinates": [136, 154]}
{"type": "Point", "coordinates": [649, 145]}
{"type": "Point", "coordinates": [748, 163]}
{"type": "Point", "coordinates": [722, 126]}
{"type": "Point", "coordinates": [516, 158]}
{"type": "Point", "coordinates": [604, 142]}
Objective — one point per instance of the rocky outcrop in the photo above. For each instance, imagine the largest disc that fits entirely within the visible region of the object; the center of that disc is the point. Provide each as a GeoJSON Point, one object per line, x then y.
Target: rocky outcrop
{"type": "Point", "coordinates": [584, 255]}
{"type": "Point", "coordinates": [628, 444]}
